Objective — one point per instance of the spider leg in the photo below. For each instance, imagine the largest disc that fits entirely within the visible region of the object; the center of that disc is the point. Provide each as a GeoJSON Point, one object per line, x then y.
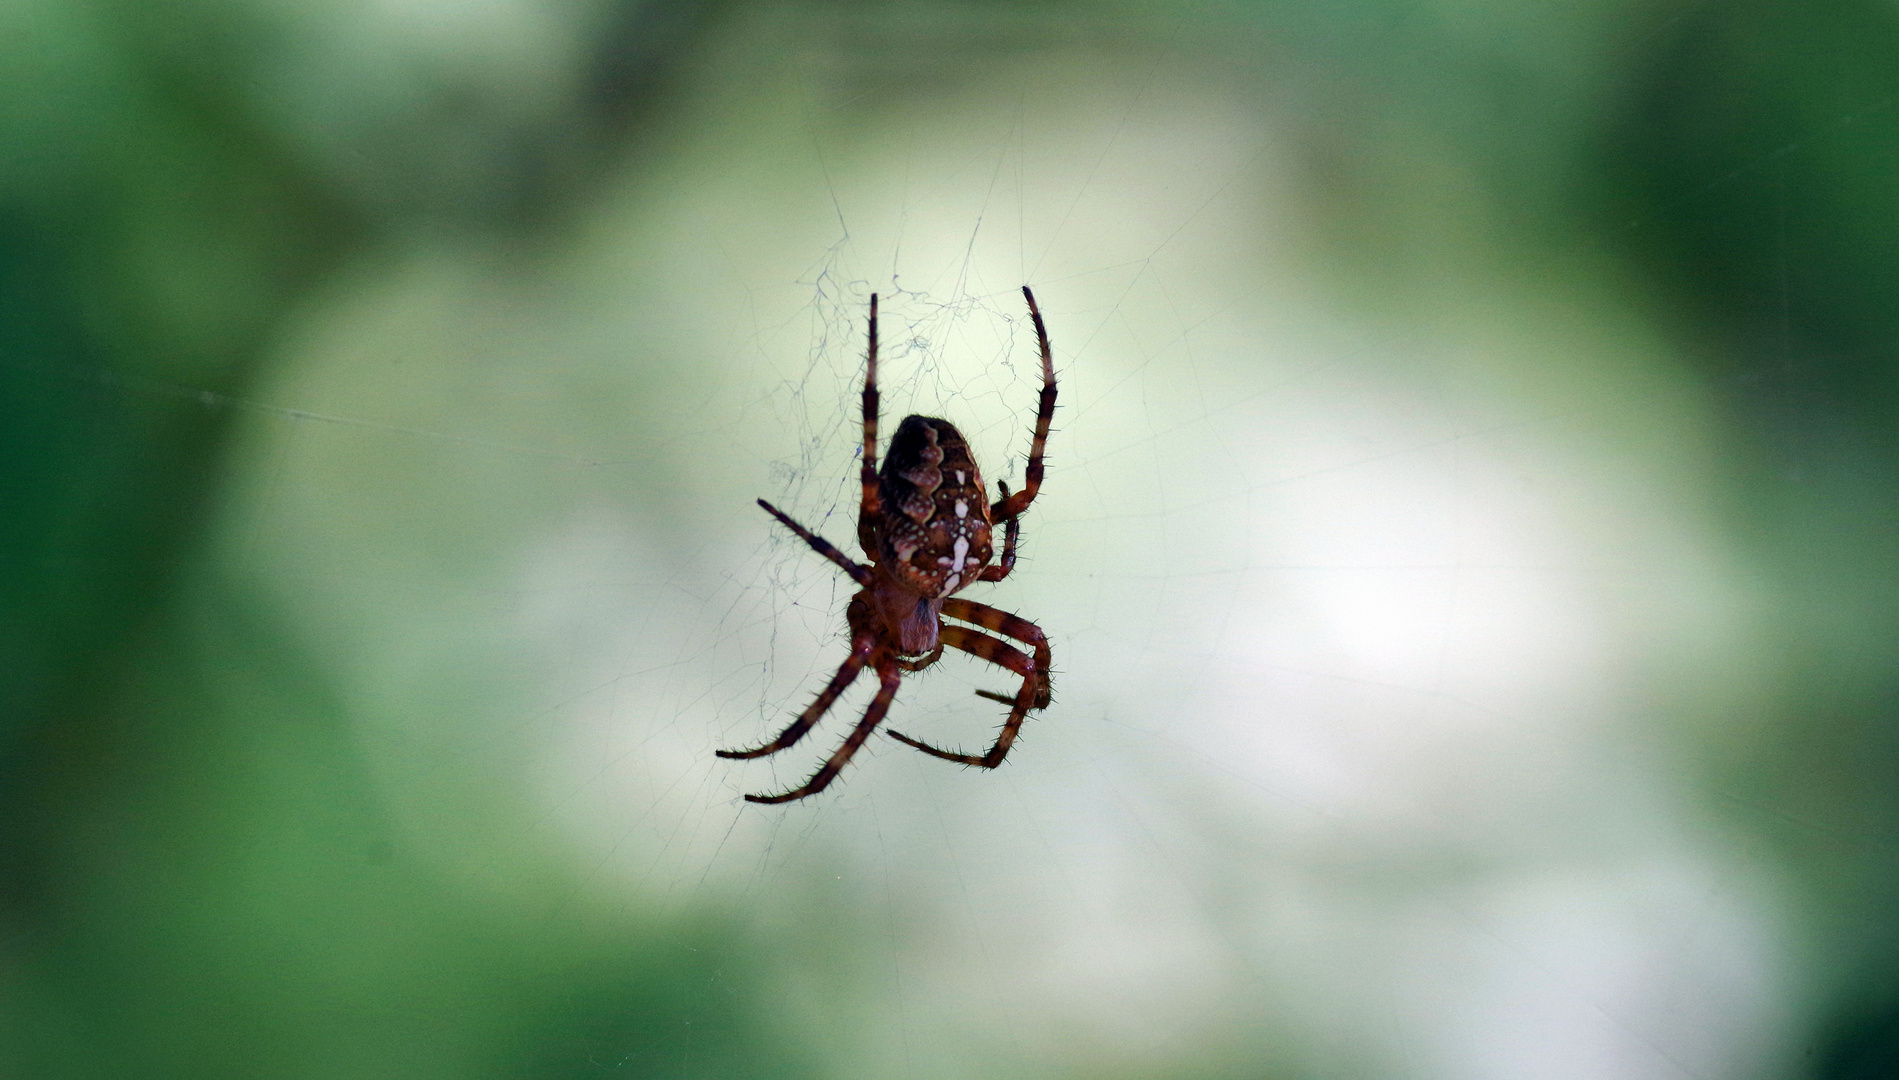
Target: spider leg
{"type": "Point", "coordinates": [1012, 505]}
{"type": "Point", "coordinates": [859, 574]}
{"type": "Point", "coordinates": [918, 665]}
{"type": "Point", "coordinates": [846, 674]}
{"type": "Point", "coordinates": [879, 705]}
{"type": "Point", "coordinates": [1010, 530]}
{"type": "Point", "coordinates": [1001, 654]}
{"type": "Point", "coordinates": [871, 505]}
{"type": "Point", "coordinates": [1014, 626]}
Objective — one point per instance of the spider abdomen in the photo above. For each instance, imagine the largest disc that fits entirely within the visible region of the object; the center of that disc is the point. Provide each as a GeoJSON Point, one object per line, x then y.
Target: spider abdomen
{"type": "Point", "coordinates": [934, 529]}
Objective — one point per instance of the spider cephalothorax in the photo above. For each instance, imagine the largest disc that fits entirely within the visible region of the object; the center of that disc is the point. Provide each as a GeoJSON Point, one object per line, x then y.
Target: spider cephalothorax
{"type": "Point", "coordinates": [924, 522]}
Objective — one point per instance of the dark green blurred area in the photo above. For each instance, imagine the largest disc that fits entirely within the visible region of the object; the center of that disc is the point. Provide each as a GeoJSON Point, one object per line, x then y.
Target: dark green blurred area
{"type": "Point", "coordinates": [1758, 165]}
{"type": "Point", "coordinates": [197, 878]}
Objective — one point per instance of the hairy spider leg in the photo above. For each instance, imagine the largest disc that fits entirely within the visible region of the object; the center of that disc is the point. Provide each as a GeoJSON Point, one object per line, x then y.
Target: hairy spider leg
{"type": "Point", "coordinates": [890, 676]}
{"type": "Point", "coordinates": [871, 504]}
{"type": "Point", "coordinates": [846, 674]}
{"type": "Point", "coordinates": [1012, 505]}
{"type": "Point", "coordinates": [859, 574]}
{"type": "Point", "coordinates": [1002, 654]}
{"type": "Point", "coordinates": [1010, 530]}
{"type": "Point", "coordinates": [1014, 626]}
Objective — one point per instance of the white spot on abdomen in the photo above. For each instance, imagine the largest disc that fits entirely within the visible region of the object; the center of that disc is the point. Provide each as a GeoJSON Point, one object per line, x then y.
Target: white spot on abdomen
{"type": "Point", "coordinates": [962, 509]}
{"type": "Point", "coordinates": [956, 572]}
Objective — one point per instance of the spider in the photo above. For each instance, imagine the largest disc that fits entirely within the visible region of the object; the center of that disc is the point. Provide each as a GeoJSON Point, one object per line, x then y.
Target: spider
{"type": "Point", "coordinates": [925, 524]}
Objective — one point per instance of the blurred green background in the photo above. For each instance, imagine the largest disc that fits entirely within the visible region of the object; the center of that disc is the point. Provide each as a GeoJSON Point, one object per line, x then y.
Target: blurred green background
{"type": "Point", "coordinates": [1469, 545]}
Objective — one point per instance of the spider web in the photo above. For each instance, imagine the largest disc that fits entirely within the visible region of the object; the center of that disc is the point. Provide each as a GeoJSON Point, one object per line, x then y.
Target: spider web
{"type": "Point", "coordinates": [1365, 619]}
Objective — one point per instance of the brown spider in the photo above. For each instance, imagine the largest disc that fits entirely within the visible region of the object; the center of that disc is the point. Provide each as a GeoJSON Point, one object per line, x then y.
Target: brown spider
{"type": "Point", "coordinates": [926, 527]}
